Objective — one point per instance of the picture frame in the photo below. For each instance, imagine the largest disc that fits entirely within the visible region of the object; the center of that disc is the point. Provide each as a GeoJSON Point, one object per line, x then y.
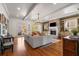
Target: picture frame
{"type": "Point", "coordinates": [46, 26]}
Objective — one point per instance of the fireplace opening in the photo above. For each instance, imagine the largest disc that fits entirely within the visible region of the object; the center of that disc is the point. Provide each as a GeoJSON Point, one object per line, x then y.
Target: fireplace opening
{"type": "Point", "coordinates": [53, 32]}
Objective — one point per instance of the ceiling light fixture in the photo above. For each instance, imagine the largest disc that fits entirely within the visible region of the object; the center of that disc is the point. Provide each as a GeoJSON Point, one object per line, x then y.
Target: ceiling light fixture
{"type": "Point", "coordinates": [38, 21]}
{"type": "Point", "coordinates": [18, 8]}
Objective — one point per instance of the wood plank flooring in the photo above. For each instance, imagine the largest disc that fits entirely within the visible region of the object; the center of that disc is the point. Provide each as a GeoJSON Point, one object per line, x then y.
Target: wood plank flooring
{"type": "Point", "coordinates": [21, 48]}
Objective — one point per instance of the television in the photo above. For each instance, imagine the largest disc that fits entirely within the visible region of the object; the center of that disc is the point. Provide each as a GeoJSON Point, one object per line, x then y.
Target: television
{"type": "Point", "coordinates": [53, 24]}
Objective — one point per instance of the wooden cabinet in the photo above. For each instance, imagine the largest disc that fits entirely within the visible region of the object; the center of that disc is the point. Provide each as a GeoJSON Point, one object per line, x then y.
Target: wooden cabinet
{"type": "Point", "coordinates": [70, 47]}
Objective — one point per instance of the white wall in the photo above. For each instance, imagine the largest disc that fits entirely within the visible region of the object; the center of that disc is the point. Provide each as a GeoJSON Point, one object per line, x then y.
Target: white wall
{"type": "Point", "coordinates": [28, 26]}
{"type": "Point", "coordinates": [15, 26]}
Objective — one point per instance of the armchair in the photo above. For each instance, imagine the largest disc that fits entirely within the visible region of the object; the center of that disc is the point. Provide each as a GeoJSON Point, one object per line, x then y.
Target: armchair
{"type": "Point", "coordinates": [6, 43]}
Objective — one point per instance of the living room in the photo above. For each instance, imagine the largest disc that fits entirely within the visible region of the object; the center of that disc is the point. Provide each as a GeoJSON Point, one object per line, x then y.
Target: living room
{"type": "Point", "coordinates": [39, 29]}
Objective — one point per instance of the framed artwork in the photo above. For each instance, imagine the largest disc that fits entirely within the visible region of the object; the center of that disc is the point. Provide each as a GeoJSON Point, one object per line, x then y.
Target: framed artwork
{"type": "Point", "coordinates": [46, 26]}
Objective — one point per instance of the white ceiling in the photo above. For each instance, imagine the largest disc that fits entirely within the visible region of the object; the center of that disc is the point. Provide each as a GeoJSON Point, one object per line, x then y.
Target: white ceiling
{"type": "Point", "coordinates": [46, 8]}
{"type": "Point", "coordinates": [32, 9]}
{"type": "Point", "coordinates": [25, 8]}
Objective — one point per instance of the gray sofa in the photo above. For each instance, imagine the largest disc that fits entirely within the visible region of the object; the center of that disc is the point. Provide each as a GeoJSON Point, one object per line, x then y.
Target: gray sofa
{"type": "Point", "coordinates": [38, 40]}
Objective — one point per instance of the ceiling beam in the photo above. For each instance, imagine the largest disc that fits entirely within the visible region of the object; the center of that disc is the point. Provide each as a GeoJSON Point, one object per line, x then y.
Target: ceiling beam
{"type": "Point", "coordinates": [32, 7]}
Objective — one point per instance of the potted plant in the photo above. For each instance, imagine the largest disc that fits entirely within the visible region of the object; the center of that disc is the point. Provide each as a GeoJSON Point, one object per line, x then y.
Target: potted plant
{"type": "Point", "coordinates": [75, 31]}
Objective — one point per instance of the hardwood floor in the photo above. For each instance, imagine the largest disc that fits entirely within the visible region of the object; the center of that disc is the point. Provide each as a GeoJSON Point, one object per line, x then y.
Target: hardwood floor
{"type": "Point", "coordinates": [21, 48]}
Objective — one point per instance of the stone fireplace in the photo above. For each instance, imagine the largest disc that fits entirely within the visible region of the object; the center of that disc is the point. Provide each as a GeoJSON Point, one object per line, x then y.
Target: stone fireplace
{"type": "Point", "coordinates": [53, 31]}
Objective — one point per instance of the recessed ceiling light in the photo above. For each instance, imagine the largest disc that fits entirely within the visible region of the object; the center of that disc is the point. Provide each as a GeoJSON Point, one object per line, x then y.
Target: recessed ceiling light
{"type": "Point", "coordinates": [18, 8]}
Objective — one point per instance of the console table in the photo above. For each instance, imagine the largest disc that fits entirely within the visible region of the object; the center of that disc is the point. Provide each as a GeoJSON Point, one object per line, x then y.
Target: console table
{"type": "Point", "coordinates": [70, 46]}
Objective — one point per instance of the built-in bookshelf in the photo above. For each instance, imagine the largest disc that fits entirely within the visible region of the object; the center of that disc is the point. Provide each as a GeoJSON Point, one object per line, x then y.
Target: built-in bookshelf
{"type": "Point", "coordinates": [61, 25]}
{"type": "Point", "coordinates": [3, 25]}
